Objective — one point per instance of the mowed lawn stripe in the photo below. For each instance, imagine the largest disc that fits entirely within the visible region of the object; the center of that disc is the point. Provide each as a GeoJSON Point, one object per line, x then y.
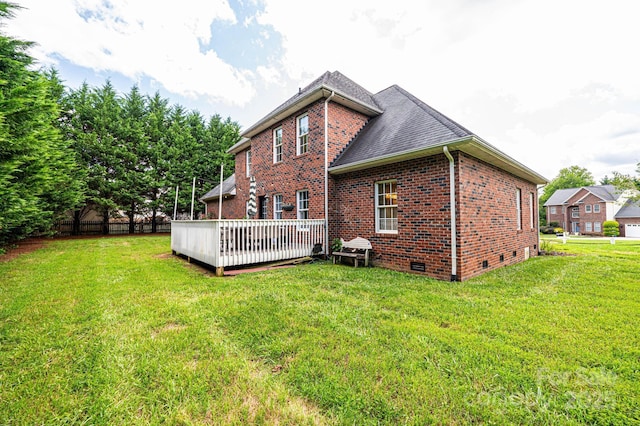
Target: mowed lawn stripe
{"type": "Point", "coordinates": [115, 330]}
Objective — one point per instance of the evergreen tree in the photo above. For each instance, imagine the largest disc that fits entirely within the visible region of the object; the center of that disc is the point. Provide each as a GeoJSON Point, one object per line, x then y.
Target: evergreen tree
{"type": "Point", "coordinates": [38, 173]}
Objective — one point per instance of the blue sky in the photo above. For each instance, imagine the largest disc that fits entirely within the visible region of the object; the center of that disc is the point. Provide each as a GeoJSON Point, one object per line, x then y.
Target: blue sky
{"type": "Point", "coordinates": [550, 83]}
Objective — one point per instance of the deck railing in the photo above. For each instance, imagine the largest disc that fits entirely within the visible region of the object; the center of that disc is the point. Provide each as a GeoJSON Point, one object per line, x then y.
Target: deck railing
{"type": "Point", "coordinates": [222, 243]}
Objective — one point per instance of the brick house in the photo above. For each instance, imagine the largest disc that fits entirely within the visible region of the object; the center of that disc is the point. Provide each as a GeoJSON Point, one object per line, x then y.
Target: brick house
{"type": "Point", "coordinates": [387, 167]}
{"type": "Point", "coordinates": [583, 210]}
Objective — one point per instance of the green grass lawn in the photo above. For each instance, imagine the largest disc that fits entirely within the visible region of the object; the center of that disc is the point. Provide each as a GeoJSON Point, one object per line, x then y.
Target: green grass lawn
{"type": "Point", "coordinates": [116, 331]}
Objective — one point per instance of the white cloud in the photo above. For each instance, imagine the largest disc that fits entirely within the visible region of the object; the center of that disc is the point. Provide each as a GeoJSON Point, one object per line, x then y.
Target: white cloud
{"type": "Point", "coordinates": [550, 83]}
{"type": "Point", "coordinates": [564, 73]}
{"type": "Point", "coordinates": [161, 40]}
{"type": "Point", "coordinates": [595, 144]}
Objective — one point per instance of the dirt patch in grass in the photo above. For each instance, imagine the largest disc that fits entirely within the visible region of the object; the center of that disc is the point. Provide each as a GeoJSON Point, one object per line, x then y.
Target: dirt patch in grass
{"type": "Point", "coordinates": [23, 247]}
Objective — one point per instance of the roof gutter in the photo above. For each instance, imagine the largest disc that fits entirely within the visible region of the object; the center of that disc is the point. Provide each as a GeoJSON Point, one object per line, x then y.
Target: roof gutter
{"type": "Point", "coordinates": [326, 172]}
{"type": "Point", "coordinates": [471, 145]}
{"type": "Point", "coordinates": [398, 156]}
{"type": "Point", "coordinates": [452, 203]}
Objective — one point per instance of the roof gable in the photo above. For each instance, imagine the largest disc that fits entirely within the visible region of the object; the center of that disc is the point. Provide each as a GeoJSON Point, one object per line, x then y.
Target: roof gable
{"type": "Point", "coordinates": [606, 193]}
{"type": "Point", "coordinates": [345, 91]}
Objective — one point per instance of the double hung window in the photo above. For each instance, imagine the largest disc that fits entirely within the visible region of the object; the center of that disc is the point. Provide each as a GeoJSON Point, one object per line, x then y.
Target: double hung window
{"type": "Point", "coordinates": [303, 204]}
{"type": "Point", "coordinates": [277, 145]}
{"type": "Point", "coordinates": [277, 206]}
{"type": "Point", "coordinates": [302, 143]}
{"type": "Point", "coordinates": [387, 207]}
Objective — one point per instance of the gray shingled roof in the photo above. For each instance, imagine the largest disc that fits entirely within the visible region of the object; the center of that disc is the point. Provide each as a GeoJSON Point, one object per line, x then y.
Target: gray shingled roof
{"type": "Point", "coordinates": [334, 81]}
{"type": "Point", "coordinates": [605, 192]}
{"type": "Point", "coordinates": [228, 188]}
{"type": "Point", "coordinates": [560, 196]}
{"type": "Point", "coordinates": [337, 81]}
{"type": "Point", "coordinates": [406, 124]}
{"type": "Point", "coordinates": [631, 209]}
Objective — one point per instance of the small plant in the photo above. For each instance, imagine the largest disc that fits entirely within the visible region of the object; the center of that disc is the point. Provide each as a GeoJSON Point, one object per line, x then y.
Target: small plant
{"type": "Point", "coordinates": [545, 246]}
{"type": "Point", "coordinates": [336, 244]}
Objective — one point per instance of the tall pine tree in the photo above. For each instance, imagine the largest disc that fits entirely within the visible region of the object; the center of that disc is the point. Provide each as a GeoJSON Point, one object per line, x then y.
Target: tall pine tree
{"type": "Point", "coordinates": [38, 173]}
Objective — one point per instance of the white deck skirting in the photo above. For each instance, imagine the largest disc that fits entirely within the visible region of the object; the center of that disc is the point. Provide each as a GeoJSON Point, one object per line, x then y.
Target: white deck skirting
{"type": "Point", "coordinates": [222, 243]}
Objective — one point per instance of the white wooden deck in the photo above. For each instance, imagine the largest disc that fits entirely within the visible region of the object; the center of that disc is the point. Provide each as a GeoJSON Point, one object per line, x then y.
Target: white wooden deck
{"type": "Point", "coordinates": [223, 243]}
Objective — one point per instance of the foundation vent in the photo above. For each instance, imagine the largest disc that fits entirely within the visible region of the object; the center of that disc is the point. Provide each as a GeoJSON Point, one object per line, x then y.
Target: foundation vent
{"type": "Point", "coordinates": [418, 266]}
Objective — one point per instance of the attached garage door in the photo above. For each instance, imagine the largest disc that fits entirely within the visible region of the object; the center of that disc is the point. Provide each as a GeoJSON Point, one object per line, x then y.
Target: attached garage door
{"type": "Point", "coordinates": [632, 230]}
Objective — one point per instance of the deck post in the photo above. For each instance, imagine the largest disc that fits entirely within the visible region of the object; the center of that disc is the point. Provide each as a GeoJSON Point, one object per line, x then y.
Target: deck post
{"type": "Point", "coordinates": [220, 271]}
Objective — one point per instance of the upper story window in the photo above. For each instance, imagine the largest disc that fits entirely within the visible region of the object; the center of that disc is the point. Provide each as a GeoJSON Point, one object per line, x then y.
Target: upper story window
{"type": "Point", "coordinates": [596, 208]}
{"type": "Point", "coordinates": [575, 212]}
{"type": "Point", "coordinates": [277, 145]}
{"type": "Point", "coordinates": [387, 207]}
{"type": "Point", "coordinates": [248, 155]}
{"type": "Point", "coordinates": [302, 141]}
{"type": "Point", "coordinates": [587, 208]}
{"type": "Point", "coordinates": [277, 206]}
{"type": "Point", "coordinates": [552, 209]}
{"type": "Point", "coordinates": [303, 204]}
{"type": "Point", "coordinates": [519, 207]}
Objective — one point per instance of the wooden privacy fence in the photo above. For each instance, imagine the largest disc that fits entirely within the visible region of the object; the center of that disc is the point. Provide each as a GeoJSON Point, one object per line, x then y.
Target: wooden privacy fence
{"type": "Point", "coordinates": [222, 243]}
{"type": "Point", "coordinates": [65, 227]}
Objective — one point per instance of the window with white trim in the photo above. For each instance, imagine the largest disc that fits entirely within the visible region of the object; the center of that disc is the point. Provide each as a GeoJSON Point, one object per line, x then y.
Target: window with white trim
{"type": "Point", "coordinates": [587, 208]}
{"type": "Point", "coordinates": [387, 207]}
{"type": "Point", "coordinates": [531, 210]}
{"type": "Point", "coordinates": [575, 212]}
{"type": "Point", "coordinates": [302, 140]}
{"type": "Point", "coordinates": [277, 145]}
{"type": "Point", "coordinates": [277, 206]}
{"type": "Point", "coordinates": [248, 156]}
{"type": "Point", "coordinates": [552, 209]}
{"type": "Point", "coordinates": [302, 198]}
{"type": "Point", "coordinates": [596, 208]}
{"type": "Point", "coordinates": [588, 227]}
{"type": "Point", "coordinates": [597, 227]}
{"type": "Point", "coordinates": [519, 208]}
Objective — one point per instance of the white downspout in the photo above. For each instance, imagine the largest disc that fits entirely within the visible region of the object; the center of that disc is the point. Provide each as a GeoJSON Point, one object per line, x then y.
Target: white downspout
{"type": "Point", "coordinates": [326, 173]}
{"type": "Point", "coordinates": [452, 202]}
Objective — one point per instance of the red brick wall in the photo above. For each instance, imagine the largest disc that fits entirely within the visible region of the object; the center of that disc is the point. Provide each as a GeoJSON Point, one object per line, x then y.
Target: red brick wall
{"type": "Point", "coordinates": [488, 217]}
{"type": "Point", "coordinates": [557, 217]}
{"type": "Point", "coordinates": [295, 172]}
{"type": "Point", "coordinates": [344, 124]}
{"type": "Point", "coordinates": [423, 214]}
{"type": "Point", "coordinates": [232, 208]}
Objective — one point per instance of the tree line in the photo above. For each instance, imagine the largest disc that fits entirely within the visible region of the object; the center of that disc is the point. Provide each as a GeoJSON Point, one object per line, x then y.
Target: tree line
{"type": "Point", "coordinates": [65, 149]}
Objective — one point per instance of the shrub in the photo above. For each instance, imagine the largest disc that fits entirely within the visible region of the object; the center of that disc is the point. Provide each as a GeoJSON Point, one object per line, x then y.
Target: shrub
{"type": "Point", "coordinates": [547, 229]}
{"type": "Point", "coordinates": [558, 230]}
{"type": "Point", "coordinates": [554, 224]}
{"type": "Point", "coordinates": [611, 228]}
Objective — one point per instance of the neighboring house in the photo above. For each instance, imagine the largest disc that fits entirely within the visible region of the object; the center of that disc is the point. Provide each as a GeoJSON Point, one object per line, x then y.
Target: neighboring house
{"type": "Point", "coordinates": [387, 167]}
{"type": "Point", "coordinates": [583, 210]}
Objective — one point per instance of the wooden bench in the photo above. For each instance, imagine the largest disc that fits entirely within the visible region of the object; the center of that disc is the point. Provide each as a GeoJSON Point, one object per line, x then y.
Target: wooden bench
{"type": "Point", "coordinates": [356, 249]}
